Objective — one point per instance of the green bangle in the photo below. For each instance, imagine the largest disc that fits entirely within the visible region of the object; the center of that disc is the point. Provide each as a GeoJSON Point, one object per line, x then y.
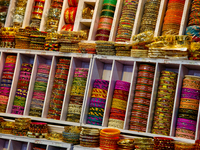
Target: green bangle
{"type": "Point", "coordinates": [113, 2]}
{"type": "Point", "coordinates": [107, 14]}
{"type": "Point", "coordinates": [108, 7]}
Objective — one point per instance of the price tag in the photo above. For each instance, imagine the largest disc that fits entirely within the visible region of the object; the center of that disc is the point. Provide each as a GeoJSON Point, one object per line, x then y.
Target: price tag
{"type": "Point", "coordinates": [37, 141]}
{"type": "Point", "coordinates": [43, 53]}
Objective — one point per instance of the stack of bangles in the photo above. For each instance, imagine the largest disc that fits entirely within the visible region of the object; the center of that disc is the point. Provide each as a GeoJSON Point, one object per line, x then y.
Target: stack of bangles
{"type": "Point", "coordinates": [163, 143]}
{"type": "Point", "coordinates": [126, 144]}
{"type": "Point", "coordinates": [77, 94]}
{"type": "Point", "coordinates": [144, 143]}
{"type": "Point", "coordinates": [6, 81]}
{"type": "Point", "coordinates": [7, 127]}
{"type": "Point", "coordinates": [37, 13]}
{"type": "Point", "coordinates": [142, 97]}
{"type": "Point", "coordinates": [38, 130]}
{"type": "Point", "coordinates": [39, 90]}
{"type": "Point", "coordinates": [184, 146]}
{"type": "Point", "coordinates": [188, 109]}
{"type": "Point", "coordinates": [164, 103]}
{"type": "Point", "coordinates": [127, 20]}
{"type": "Point", "coordinates": [21, 126]}
{"type": "Point", "coordinates": [97, 102]}
{"type": "Point", "coordinates": [71, 134]}
{"type": "Point", "coordinates": [22, 40]}
{"type": "Point", "coordinates": [105, 48]}
{"type": "Point", "coordinates": [173, 17]}
{"type": "Point", "coordinates": [106, 19]}
{"type": "Point", "coordinates": [22, 89]}
{"type": "Point", "coordinates": [123, 49]}
{"type": "Point", "coordinates": [193, 28]}
{"type": "Point", "coordinates": [89, 48]}
{"type": "Point", "coordinates": [194, 51]}
{"type": "Point", "coordinates": [8, 37]}
{"type": "Point", "coordinates": [52, 43]}
{"type": "Point", "coordinates": [119, 103]}
{"type": "Point", "coordinates": [89, 137]}
{"type": "Point", "coordinates": [109, 138]}
{"type": "Point", "coordinates": [37, 40]}
{"type": "Point", "coordinates": [70, 15]}
{"type": "Point", "coordinates": [4, 4]}
{"type": "Point", "coordinates": [58, 91]}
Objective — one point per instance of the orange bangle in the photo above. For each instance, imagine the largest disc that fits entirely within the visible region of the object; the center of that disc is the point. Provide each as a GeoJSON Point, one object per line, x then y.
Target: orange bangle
{"type": "Point", "coordinates": [109, 20]}
{"type": "Point", "coordinates": [110, 132]}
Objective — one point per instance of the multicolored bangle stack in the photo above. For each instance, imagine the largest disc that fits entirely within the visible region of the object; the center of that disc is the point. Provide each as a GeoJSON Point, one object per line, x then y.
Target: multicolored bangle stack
{"type": "Point", "coordinates": [142, 97]}
{"type": "Point", "coordinates": [54, 16]}
{"type": "Point", "coordinates": [8, 37]}
{"type": "Point", "coordinates": [54, 136]}
{"type": "Point", "coordinates": [127, 20]}
{"type": "Point", "coordinates": [109, 138]}
{"type": "Point", "coordinates": [164, 103]}
{"type": "Point", "coordinates": [173, 17]}
{"type": "Point", "coordinates": [37, 13]}
{"type": "Point", "coordinates": [37, 130]}
{"type": "Point", "coordinates": [22, 40]}
{"type": "Point", "coordinates": [163, 143]}
{"type": "Point", "coordinates": [143, 143]}
{"type": "Point", "coordinates": [89, 137]}
{"type": "Point", "coordinates": [22, 89]}
{"type": "Point", "coordinates": [58, 91]}
{"type": "Point", "coordinates": [188, 109]}
{"type": "Point", "coordinates": [193, 28]}
{"type": "Point", "coordinates": [21, 126]}
{"type": "Point", "coordinates": [77, 94]}
{"type": "Point", "coordinates": [7, 127]}
{"type": "Point", "coordinates": [185, 146]}
{"type": "Point", "coordinates": [89, 48]}
{"type": "Point", "coordinates": [6, 81]}
{"type": "Point", "coordinates": [194, 51]}
{"type": "Point", "coordinates": [71, 134]}
{"type": "Point", "coordinates": [150, 15]}
{"type": "Point", "coordinates": [106, 19]}
{"type": "Point", "coordinates": [119, 103]}
{"type": "Point", "coordinates": [97, 102]}
{"type": "Point", "coordinates": [123, 49]}
{"type": "Point", "coordinates": [39, 90]}
{"type": "Point", "coordinates": [105, 48]}
{"type": "Point", "coordinates": [52, 43]}
{"type": "Point", "coordinates": [37, 40]}
{"type": "Point", "coordinates": [126, 144]}
{"type": "Point", "coordinates": [70, 15]}
{"type": "Point", "coordinates": [4, 4]}
{"type": "Point", "coordinates": [20, 9]}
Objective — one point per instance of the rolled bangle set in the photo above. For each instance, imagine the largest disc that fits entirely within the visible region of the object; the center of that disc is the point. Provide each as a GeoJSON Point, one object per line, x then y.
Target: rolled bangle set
{"type": "Point", "coordinates": [58, 91]}
{"type": "Point", "coordinates": [97, 102]}
{"type": "Point", "coordinates": [37, 130]}
{"type": "Point", "coordinates": [6, 81]}
{"type": "Point", "coordinates": [77, 94]}
{"type": "Point", "coordinates": [39, 90]}
{"type": "Point", "coordinates": [119, 103]}
{"type": "Point", "coordinates": [22, 89]}
{"type": "Point", "coordinates": [71, 134]}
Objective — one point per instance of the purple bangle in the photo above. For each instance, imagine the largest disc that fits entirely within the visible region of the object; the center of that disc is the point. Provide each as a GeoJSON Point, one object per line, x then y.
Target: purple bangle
{"type": "Point", "coordinates": [185, 127]}
{"type": "Point", "coordinates": [118, 87]}
{"type": "Point", "coordinates": [93, 123]}
{"type": "Point", "coordinates": [99, 81]}
{"type": "Point", "coordinates": [191, 96]}
{"type": "Point", "coordinates": [97, 105]}
{"type": "Point", "coordinates": [187, 90]}
{"type": "Point", "coordinates": [122, 83]}
{"type": "Point", "coordinates": [95, 118]}
{"type": "Point", "coordinates": [188, 121]}
{"type": "Point", "coordinates": [98, 100]}
{"type": "Point", "coordinates": [19, 112]}
{"type": "Point", "coordinates": [17, 107]}
{"type": "Point", "coordinates": [100, 86]}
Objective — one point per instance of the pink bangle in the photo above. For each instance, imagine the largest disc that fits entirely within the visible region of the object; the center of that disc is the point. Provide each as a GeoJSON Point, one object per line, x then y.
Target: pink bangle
{"type": "Point", "coordinates": [119, 87]}
{"type": "Point", "coordinates": [44, 66]}
{"type": "Point", "coordinates": [43, 71]}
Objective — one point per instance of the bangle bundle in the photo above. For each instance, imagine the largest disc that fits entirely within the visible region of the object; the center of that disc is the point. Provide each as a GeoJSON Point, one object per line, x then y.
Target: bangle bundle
{"type": "Point", "coordinates": [39, 90]}
{"type": "Point", "coordinates": [142, 97]}
{"type": "Point", "coordinates": [186, 122]}
{"type": "Point", "coordinates": [6, 82]}
{"type": "Point", "coordinates": [173, 17]}
{"type": "Point", "coordinates": [7, 127]}
{"type": "Point", "coordinates": [163, 143]}
{"type": "Point", "coordinates": [58, 91]}
{"type": "Point", "coordinates": [194, 51]}
{"type": "Point", "coordinates": [181, 145]}
{"type": "Point", "coordinates": [143, 143]}
{"type": "Point", "coordinates": [22, 89]}
{"type": "Point", "coordinates": [89, 48]}
{"type": "Point", "coordinates": [119, 104]}
{"type": "Point", "coordinates": [77, 94]}
{"type": "Point", "coordinates": [150, 15]}
{"type": "Point", "coordinates": [67, 27]}
{"type": "Point", "coordinates": [37, 130]}
{"type": "Point", "coordinates": [19, 13]}
{"type": "Point", "coordinates": [88, 12]}
{"type": "Point", "coordinates": [8, 37]}
{"type": "Point", "coordinates": [37, 13]}
{"type": "Point", "coordinates": [37, 40]}
{"type": "Point", "coordinates": [89, 137]}
{"type": "Point", "coordinates": [193, 28]}
{"type": "Point", "coordinates": [3, 11]}
{"type": "Point", "coordinates": [97, 102]}
{"type": "Point", "coordinates": [105, 48]}
{"type": "Point", "coordinates": [123, 49]}
{"type": "Point", "coordinates": [127, 20]}
{"type": "Point", "coordinates": [51, 42]}
{"type": "Point", "coordinates": [164, 104]}
{"type": "Point", "coordinates": [21, 126]}
{"type": "Point", "coordinates": [54, 136]}
{"type": "Point", "coordinates": [106, 19]}
{"type": "Point", "coordinates": [54, 16]}
{"type": "Point", "coordinates": [71, 134]}
{"type": "Point", "coordinates": [126, 144]}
